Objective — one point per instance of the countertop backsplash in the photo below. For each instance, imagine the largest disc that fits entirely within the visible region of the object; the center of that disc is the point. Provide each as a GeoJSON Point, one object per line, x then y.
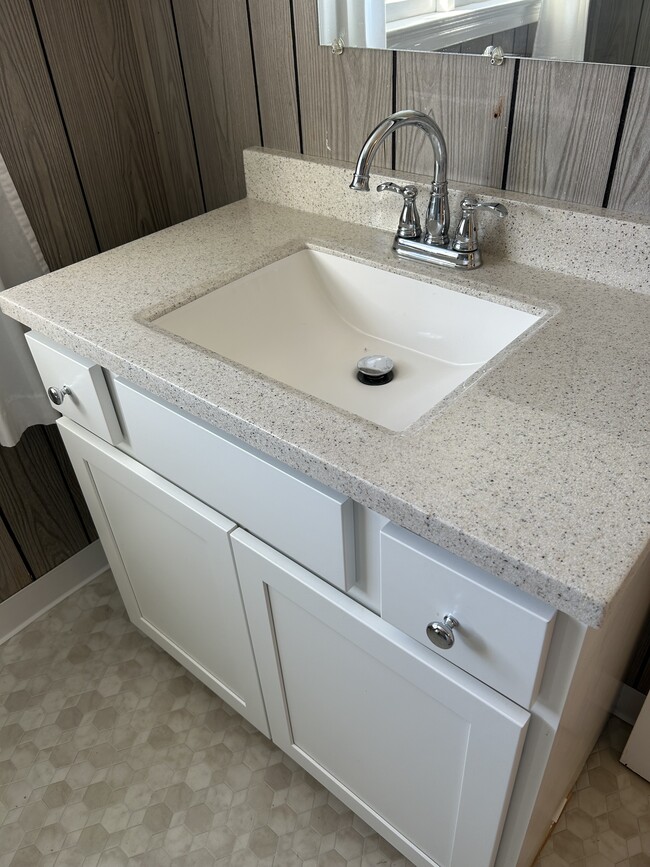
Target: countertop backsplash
{"type": "Point", "coordinates": [579, 241]}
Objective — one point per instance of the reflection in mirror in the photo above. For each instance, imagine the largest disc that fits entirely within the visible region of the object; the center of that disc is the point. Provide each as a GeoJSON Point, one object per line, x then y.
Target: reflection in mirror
{"type": "Point", "coordinates": [599, 31]}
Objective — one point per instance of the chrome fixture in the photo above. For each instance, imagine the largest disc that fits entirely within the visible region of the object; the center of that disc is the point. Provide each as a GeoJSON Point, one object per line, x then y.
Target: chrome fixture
{"type": "Point", "coordinates": [466, 240]}
{"type": "Point", "coordinates": [57, 395]}
{"type": "Point", "coordinates": [442, 634]}
{"type": "Point", "coordinates": [496, 54]}
{"type": "Point", "coordinates": [375, 369]}
{"type": "Point", "coordinates": [437, 219]}
{"type": "Point", "coordinates": [409, 221]}
{"type": "Point", "coordinates": [430, 244]}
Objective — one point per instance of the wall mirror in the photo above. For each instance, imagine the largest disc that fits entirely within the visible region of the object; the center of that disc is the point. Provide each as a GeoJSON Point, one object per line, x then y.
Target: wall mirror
{"type": "Point", "coordinates": [598, 31]}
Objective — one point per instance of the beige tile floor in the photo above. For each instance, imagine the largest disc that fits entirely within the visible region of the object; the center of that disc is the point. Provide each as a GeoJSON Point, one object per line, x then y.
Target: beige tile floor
{"type": "Point", "coordinates": [111, 754]}
{"type": "Point", "coordinates": [607, 820]}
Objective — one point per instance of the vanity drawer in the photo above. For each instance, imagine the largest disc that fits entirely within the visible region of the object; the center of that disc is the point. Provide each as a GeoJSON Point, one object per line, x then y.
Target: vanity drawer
{"type": "Point", "coordinates": [503, 634]}
{"type": "Point", "coordinates": [307, 521]}
{"type": "Point", "coordinates": [87, 401]}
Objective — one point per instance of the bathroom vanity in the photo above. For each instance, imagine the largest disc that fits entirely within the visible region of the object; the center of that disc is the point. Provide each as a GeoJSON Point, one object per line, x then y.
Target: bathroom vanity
{"type": "Point", "coordinates": [433, 623]}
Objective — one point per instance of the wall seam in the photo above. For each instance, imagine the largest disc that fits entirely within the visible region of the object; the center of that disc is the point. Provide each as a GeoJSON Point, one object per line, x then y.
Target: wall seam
{"type": "Point", "coordinates": [511, 120]}
{"type": "Point", "coordinates": [187, 102]}
{"type": "Point", "coordinates": [16, 543]}
{"type": "Point", "coordinates": [394, 109]}
{"type": "Point", "coordinates": [257, 89]}
{"type": "Point", "coordinates": [297, 76]}
{"type": "Point", "coordinates": [619, 136]}
{"type": "Point", "coordinates": [64, 125]}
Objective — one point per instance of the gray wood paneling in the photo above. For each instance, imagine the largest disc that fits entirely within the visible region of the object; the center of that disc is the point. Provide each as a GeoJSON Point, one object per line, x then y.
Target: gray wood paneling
{"type": "Point", "coordinates": [58, 449]}
{"type": "Point", "coordinates": [565, 123]}
{"type": "Point", "coordinates": [36, 503]}
{"type": "Point", "coordinates": [512, 42]}
{"type": "Point", "coordinates": [630, 190]}
{"type": "Point", "coordinates": [642, 48]}
{"type": "Point", "coordinates": [506, 39]}
{"type": "Point", "coordinates": [275, 69]}
{"type": "Point", "coordinates": [13, 573]}
{"type": "Point", "coordinates": [476, 46]}
{"type": "Point", "coordinates": [530, 39]}
{"type": "Point", "coordinates": [33, 142]}
{"type": "Point", "coordinates": [117, 73]}
{"type": "Point", "coordinates": [612, 30]}
{"type": "Point", "coordinates": [470, 100]}
{"type": "Point", "coordinates": [342, 98]}
{"type": "Point", "coordinates": [520, 41]}
{"type": "Point", "coordinates": [218, 64]}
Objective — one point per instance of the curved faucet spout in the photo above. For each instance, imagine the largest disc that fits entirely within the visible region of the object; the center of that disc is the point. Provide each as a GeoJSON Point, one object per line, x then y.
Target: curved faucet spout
{"type": "Point", "coordinates": [437, 223]}
{"type": "Point", "coordinates": [391, 124]}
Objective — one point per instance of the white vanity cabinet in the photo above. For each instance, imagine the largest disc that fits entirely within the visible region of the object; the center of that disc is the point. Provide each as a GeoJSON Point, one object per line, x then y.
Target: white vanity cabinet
{"type": "Point", "coordinates": [405, 738]}
{"type": "Point", "coordinates": [172, 561]}
{"type": "Point", "coordinates": [311, 616]}
{"type": "Point", "coordinates": [422, 751]}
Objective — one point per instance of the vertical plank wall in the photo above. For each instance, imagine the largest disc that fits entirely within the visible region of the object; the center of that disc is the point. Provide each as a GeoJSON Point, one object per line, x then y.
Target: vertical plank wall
{"type": "Point", "coordinates": [117, 75]}
{"type": "Point", "coordinates": [43, 520]}
{"type": "Point", "coordinates": [149, 104]}
{"type": "Point", "coordinates": [34, 143]}
{"type": "Point", "coordinates": [121, 117]}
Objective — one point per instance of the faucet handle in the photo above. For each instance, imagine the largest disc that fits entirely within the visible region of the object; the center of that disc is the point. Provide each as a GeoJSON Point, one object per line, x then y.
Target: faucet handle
{"type": "Point", "coordinates": [409, 221]}
{"type": "Point", "coordinates": [466, 239]}
{"type": "Point", "coordinates": [471, 203]}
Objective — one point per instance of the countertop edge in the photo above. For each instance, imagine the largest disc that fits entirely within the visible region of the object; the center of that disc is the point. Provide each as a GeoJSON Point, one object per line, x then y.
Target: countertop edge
{"type": "Point", "coordinates": [95, 297]}
{"type": "Point", "coordinates": [542, 585]}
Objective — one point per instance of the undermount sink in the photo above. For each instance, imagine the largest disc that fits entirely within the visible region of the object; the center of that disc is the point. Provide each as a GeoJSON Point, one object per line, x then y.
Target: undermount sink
{"type": "Point", "coordinates": [307, 319]}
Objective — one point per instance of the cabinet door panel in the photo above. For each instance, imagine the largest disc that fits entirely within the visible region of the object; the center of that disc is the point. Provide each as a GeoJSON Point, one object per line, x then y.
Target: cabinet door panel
{"type": "Point", "coordinates": [422, 751]}
{"type": "Point", "coordinates": [172, 560]}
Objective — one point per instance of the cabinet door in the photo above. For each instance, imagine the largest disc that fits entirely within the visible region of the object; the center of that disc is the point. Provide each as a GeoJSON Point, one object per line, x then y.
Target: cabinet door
{"type": "Point", "coordinates": [420, 750]}
{"type": "Point", "coordinates": [172, 561]}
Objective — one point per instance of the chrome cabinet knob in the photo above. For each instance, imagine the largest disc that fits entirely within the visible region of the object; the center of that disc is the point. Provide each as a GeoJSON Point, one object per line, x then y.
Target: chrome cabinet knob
{"type": "Point", "coordinates": [57, 395]}
{"type": "Point", "coordinates": [442, 634]}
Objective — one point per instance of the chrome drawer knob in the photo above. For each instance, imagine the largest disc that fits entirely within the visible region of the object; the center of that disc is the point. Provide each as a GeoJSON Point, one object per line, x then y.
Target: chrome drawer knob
{"type": "Point", "coordinates": [442, 634]}
{"type": "Point", "coordinates": [57, 395]}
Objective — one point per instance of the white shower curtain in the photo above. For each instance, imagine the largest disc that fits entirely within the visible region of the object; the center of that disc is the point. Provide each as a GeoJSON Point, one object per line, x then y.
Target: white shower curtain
{"type": "Point", "coordinates": [358, 22]}
{"type": "Point", "coordinates": [562, 30]}
{"type": "Point", "coordinates": [22, 399]}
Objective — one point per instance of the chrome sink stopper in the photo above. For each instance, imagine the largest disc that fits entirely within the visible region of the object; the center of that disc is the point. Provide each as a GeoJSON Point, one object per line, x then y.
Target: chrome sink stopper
{"type": "Point", "coordinates": [375, 369]}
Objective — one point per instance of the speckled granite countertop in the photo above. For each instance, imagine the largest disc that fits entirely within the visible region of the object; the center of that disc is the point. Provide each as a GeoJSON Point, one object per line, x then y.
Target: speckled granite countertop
{"type": "Point", "coordinates": [538, 471]}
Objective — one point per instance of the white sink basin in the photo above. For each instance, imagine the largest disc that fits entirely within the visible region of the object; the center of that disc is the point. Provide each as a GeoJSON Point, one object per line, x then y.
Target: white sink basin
{"type": "Point", "coordinates": [307, 319]}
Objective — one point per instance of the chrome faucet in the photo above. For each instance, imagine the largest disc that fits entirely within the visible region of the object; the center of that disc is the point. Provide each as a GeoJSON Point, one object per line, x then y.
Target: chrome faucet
{"type": "Point", "coordinates": [430, 244]}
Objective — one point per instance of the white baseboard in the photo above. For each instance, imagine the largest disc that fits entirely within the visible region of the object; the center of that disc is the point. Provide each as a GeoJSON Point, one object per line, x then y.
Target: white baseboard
{"type": "Point", "coordinates": [628, 704]}
{"type": "Point", "coordinates": [41, 595]}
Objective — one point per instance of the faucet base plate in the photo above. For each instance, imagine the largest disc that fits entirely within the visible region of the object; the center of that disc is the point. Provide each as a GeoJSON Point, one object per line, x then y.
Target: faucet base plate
{"type": "Point", "coordinates": [412, 248]}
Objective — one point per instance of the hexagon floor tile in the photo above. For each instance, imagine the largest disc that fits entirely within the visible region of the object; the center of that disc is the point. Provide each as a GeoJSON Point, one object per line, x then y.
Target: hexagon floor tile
{"type": "Point", "coordinates": [111, 754]}
{"type": "Point", "coordinates": [606, 822]}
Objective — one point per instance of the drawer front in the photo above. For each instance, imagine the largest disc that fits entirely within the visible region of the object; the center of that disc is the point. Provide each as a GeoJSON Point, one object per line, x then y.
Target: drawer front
{"type": "Point", "coordinates": [307, 521]}
{"type": "Point", "coordinates": [503, 634]}
{"type": "Point", "coordinates": [88, 402]}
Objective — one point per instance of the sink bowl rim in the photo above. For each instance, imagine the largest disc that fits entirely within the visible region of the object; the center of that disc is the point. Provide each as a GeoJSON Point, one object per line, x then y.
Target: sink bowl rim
{"type": "Point", "coordinates": [147, 316]}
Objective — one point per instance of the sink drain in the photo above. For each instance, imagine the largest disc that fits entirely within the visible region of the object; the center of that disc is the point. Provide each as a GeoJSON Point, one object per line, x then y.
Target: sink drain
{"type": "Point", "coordinates": [375, 369]}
